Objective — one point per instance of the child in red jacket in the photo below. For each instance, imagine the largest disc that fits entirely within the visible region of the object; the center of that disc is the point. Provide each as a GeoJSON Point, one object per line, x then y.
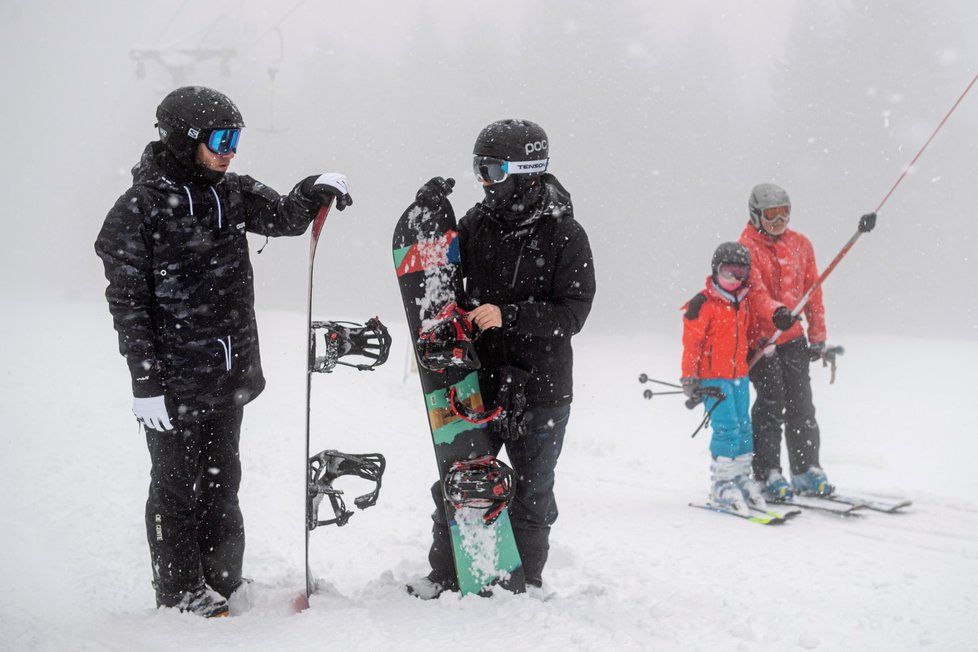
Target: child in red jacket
{"type": "Point", "coordinates": [715, 326]}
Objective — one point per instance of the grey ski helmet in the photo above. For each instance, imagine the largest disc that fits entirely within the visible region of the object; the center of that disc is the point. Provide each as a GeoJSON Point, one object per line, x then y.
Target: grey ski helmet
{"type": "Point", "coordinates": [765, 195]}
{"type": "Point", "coordinates": [730, 253]}
{"type": "Point", "coordinates": [188, 114]}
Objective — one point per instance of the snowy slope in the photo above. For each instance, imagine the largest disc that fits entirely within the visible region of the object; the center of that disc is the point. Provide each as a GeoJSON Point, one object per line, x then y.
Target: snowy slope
{"type": "Point", "coordinates": [631, 566]}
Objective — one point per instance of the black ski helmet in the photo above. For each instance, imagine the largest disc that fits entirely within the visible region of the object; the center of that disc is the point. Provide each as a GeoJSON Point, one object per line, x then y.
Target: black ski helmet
{"type": "Point", "coordinates": [513, 140]}
{"type": "Point", "coordinates": [730, 253]}
{"type": "Point", "coordinates": [186, 115]}
{"type": "Point", "coordinates": [765, 195]}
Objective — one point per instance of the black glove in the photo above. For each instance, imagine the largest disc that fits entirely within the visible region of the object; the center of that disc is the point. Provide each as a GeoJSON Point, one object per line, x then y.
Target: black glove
{"type": "Point", "coordinates": [431, 194]}
{"type": "Point", "coordinates": [691, 386]}
{"type": "Point", "coordinates": [510, 425]}
{"type": "Point", "coordinates": [815, 351]}
{"type": "Point", "coordinates": [783, 319]}
{"type": "Point", "coordinates": [329, 186]}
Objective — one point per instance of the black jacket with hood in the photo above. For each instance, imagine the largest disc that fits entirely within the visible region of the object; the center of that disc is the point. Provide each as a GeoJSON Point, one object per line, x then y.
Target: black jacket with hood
{"type": "Point", "coordinates": [181, 289]}
{"type": "Point", "coordinates": [539, 270]}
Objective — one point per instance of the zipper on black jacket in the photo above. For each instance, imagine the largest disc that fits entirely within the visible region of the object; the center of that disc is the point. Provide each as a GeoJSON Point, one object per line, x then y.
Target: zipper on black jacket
{"type": "Point", "coordinates": [519, 258]}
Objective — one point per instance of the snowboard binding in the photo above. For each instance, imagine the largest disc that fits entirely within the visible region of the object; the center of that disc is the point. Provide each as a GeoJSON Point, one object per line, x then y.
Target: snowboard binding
{"type": "Point", "coordinates": [327, 466]}
{"type": "Point", "coordinates": [448, 341]}
{"type": "Point", "coordinates": [347, 338]}
{"type": "Point", "coordinates": [481, 483]}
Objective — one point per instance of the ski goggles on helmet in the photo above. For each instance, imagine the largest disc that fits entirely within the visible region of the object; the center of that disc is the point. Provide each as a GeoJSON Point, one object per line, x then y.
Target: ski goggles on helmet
{"type": "Point", "coordinates": [494, 170]}
{"type": "Point", "coordinates": [775, 213]}
{"type": "Point", "coordinates": [223, 141]}
{"type": "Point", "coordinates": [734, 272]}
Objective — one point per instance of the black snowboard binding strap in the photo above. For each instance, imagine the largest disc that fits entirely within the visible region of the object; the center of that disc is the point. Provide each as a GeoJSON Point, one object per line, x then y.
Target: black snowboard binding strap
{"type": "Point", "coordinates": [465, 413]}
{"type": "Point", "coordinates": [327, 466]}
{"type": "Point", "coordinates": [480, 483]}
{"type": "Point", "coordinates": [448, 341]}
{"type": "Point", "coordinates": [347, 338]}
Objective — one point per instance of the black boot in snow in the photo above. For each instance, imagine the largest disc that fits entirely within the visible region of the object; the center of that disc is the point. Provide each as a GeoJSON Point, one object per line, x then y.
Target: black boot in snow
{"type": "Point", "coordinates": [200, 601]}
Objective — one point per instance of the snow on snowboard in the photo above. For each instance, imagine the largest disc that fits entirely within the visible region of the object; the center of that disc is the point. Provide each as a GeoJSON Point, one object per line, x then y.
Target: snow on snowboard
{"type": "Point", "coordinates": [427, 263]}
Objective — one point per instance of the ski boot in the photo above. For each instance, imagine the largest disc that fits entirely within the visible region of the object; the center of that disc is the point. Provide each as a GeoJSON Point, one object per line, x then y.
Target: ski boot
{"type": "Point", "coordinates": [199, 601]}
{"type": "Point", "coordinates": [726, 492]}
{"type": "Point", "coordinates": [429, 587]}
{"type": "Point", "coordinates": [812, 482]}
{"type": "Point", "coordinates": [776, 488]}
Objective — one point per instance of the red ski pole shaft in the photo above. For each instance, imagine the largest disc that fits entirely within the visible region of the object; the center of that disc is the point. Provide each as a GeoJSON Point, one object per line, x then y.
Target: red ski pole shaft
{"type": "Point", "coordinates": [828, 270]}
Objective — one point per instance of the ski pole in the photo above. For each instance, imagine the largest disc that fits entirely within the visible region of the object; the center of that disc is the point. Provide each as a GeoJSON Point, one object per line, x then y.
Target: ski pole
{"type": "Point", "coordinates": [649, 393]}
{"type": "Point", "coordinates": [644, 378]}
{"type": "Point", "coordinates": [866, 224]}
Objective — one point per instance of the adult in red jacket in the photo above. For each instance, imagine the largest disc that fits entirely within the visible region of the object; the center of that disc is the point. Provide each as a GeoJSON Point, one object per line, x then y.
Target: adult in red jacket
{"type": "Point", "coordinates": [783, 269]}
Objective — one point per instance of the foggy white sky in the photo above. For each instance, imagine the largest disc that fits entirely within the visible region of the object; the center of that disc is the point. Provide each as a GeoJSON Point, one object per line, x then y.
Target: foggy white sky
{"type": "Point", "coordinates": [661, 117]}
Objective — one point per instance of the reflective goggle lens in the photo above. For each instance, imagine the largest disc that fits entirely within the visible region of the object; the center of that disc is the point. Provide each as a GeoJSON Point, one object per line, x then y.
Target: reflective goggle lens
{"type": "Point", "coordinates": [489, 169]}
{"type": "Point", "coordinates": [494, 170]}
{"type": "Point", "coordinates": [736, 272]}
{"type": "Point", "coordinates": [776, 213]}
{"type": "Point", "coordinates": [223, 141]}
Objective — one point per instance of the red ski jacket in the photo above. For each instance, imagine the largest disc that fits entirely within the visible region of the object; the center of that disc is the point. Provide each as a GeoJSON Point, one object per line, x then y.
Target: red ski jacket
{"type": "Point", "coordinates": [715, 332]}
{"type": "Point", "coordinates": [781, 271]}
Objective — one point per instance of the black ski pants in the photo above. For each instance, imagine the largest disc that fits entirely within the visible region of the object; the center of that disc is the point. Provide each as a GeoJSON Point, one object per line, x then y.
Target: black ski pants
{"type": "Point", "coordinates": [533, 508]}
{"type": "Point", "coordinates": [193, 521]}
{"type": "Point", "coordinates": [784, 398]}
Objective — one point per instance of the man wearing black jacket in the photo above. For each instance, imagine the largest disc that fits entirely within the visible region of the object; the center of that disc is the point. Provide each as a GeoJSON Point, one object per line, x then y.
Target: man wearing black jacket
{"type": "Point", "coordinates": [181, 295]}
{"type": "Point", "coordinates": [530, 275]}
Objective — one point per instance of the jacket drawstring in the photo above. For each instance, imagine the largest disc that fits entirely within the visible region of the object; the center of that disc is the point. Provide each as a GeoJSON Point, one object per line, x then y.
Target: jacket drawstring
{"type": "Point", "coordinates": [218, 201]}
{"type": "Point", "coordinates": [190, 199]}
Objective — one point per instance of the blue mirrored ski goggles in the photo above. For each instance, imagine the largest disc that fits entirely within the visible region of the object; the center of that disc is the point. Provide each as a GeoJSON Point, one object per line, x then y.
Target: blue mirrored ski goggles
{"type": "Point", "coordinates": [223, 141]}
{"type": "Point", "coordinates": [494, 170]}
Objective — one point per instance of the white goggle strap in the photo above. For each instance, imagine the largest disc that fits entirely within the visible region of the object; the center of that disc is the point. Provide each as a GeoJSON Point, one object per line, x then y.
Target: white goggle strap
{"type": "Point", "coordinates": [525, 167]}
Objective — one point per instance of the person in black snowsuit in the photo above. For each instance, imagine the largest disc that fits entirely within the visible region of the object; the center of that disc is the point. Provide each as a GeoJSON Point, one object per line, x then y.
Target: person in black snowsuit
{"type": "Point", "coordinates": [529, 278]}
{"type": "Point", "coordinates": [181, 294]}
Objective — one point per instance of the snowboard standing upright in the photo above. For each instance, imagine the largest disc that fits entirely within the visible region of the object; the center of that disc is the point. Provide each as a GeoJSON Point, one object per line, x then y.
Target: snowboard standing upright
{"type": "Point", "coordinates": [427, 261]}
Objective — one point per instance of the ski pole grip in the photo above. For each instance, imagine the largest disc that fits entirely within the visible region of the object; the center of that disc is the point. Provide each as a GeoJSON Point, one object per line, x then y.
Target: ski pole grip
{"type": "Point", "coordinates": [692, 402]}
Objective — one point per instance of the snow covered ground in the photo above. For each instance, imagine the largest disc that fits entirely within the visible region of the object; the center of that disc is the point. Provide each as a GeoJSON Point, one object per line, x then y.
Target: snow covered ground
{"type": "Point", "coordinates": [632, 567]}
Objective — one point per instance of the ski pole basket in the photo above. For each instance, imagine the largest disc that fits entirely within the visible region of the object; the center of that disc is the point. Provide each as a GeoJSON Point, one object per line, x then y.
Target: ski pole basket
{"type": "Point", "coordinates": [327, 466]}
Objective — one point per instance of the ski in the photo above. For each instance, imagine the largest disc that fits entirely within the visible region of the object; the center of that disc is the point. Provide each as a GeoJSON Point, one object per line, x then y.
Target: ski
{"type": "Point", "coordinates": [787, 516]}
{"type": "Point", "coordinates": [840, 509]}
{"type": "Point", "coordinates": [763, 518]}
{"type": "Point", "coordinates": [885, 506]}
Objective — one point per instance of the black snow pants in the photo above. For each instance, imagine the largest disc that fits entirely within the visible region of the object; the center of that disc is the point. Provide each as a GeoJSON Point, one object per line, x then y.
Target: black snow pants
{"type": "Point", "coordinates": [193, 521]}
{"type": "Point", "coordinates": [784, 397]}
{"type": "Point", "coordinates": [533, 508]}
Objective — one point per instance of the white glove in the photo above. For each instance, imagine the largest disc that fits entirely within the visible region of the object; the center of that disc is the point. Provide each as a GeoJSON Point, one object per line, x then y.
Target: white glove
{"type": "Point", "coordinates": [151, 412]}
{"type": "Point", "coordinates": [330, 186]}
